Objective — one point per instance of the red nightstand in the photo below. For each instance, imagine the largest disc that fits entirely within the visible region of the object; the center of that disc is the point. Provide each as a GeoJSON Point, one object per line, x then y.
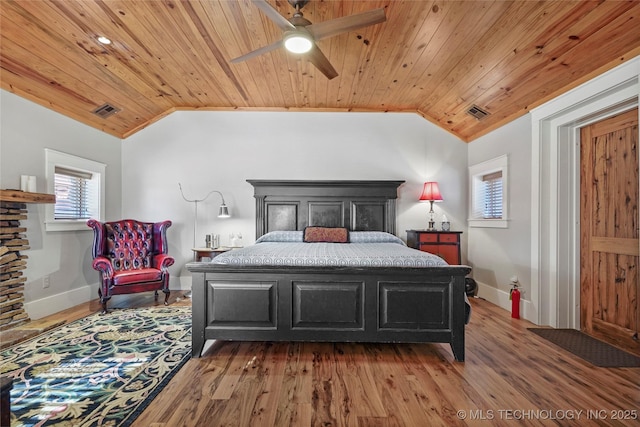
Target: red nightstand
{"type": "Point", "coordinates": [445, 244]}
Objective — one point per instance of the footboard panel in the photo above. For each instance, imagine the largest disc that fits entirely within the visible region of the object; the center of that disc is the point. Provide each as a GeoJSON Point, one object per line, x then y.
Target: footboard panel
{"type": "Point", "coordinates": [414, 306]}
{"type": "Point", "coordinates": [242, 304]}
{"type": "Point", "coordinates": [338, 304]}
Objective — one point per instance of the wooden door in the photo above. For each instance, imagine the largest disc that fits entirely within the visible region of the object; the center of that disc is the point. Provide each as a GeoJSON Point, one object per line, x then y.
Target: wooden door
{"type": "Point", "coordinates": [609, 245]}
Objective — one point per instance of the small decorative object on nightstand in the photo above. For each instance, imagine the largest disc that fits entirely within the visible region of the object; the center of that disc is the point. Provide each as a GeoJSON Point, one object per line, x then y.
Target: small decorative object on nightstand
{"type": "Point", "coordinates": [445, 244]}
{"type": "Point", "coordinates": [446, 225]}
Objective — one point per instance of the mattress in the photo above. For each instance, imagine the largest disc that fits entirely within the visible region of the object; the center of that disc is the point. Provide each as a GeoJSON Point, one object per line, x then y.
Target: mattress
{"type": "Point", "coordinates": [365, 249]}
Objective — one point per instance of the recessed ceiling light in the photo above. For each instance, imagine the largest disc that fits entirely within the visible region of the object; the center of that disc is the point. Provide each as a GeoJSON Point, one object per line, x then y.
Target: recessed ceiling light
{"type": "Point", "coordinates": [104, 40]}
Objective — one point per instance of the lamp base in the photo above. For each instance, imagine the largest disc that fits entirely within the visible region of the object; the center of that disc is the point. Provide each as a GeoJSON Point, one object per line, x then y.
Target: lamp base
{"type": "Point", "coordinates": [432, 223]}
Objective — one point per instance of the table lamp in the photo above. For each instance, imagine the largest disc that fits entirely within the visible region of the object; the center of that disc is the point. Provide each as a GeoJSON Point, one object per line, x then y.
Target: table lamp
{"type": "Point", "coordinates": [431, 193]}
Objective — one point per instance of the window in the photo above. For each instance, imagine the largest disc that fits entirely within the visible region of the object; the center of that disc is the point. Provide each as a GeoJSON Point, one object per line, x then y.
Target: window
{"type": "Point", "coordinates": [79, 188]}
{"type": "Point", "coordinates": [488, 198]}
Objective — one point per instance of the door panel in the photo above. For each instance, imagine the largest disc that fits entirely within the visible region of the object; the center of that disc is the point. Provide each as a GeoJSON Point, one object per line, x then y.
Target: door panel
{"type": "Point", "coordinates": [609, 229]}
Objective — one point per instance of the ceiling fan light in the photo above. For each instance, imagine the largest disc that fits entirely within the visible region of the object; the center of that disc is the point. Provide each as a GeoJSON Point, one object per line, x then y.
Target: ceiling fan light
{"type": "Point", "coordinates": [297, 42]}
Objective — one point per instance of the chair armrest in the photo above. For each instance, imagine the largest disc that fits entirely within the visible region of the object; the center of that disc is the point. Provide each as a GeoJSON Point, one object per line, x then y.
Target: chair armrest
{"type": "Point", "coordinates": [103, 265]}
{"type": "Point", "coordinates": [160, 237]}
{"type": "Point", "coordinates": [162, 261]}
{"type": "Point", "coordinates": [98, 237]}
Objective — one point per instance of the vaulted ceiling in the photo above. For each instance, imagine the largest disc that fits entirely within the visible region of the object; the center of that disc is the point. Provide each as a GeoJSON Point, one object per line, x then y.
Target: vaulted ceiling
{"type": "Point", "coordinates": [435, 58]}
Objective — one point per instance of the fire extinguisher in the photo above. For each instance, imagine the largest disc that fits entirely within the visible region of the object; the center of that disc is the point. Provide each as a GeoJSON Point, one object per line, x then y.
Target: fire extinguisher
{"type": "Point", "coordinates": [514, 296]}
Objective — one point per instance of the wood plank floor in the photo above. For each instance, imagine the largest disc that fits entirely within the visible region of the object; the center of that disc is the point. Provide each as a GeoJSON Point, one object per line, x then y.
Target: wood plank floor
{"type": "Point", "coordinates": [510, 377]}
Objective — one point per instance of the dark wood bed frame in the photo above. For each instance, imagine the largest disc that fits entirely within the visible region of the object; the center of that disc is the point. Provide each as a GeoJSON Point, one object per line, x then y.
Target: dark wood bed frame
{"type": "Point", "coordinates": [328, 304]}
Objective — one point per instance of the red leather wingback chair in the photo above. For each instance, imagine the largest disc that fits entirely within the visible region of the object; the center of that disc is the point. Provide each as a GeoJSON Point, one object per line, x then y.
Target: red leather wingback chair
{"type": "Point", "coordinates": [131, 257]}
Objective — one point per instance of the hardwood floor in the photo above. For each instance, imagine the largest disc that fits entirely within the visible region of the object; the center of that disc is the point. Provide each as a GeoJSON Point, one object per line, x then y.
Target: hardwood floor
{"type": "Point", "coordinates": [510, 377]}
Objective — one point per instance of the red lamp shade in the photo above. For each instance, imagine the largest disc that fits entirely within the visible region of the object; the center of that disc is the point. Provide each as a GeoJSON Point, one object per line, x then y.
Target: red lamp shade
{"type": "Point", "coordinates": [430, 192]}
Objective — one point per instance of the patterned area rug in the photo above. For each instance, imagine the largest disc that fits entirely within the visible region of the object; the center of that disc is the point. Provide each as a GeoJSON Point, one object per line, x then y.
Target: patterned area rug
{"type": "Point", "coordinates": [588, 348]}
{"type": "Point", "coordinates": [100, 370]}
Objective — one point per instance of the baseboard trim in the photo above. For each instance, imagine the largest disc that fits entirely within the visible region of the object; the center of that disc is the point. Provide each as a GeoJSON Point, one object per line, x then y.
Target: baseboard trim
{"type": "Point", "coordinates": [501, 299]}
{"type": "Point", "coordinates": [52, 304]}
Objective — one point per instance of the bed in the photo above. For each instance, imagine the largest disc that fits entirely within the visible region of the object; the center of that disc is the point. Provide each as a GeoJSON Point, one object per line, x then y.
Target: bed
{"type": "Point", "coordinates": [318, 294]}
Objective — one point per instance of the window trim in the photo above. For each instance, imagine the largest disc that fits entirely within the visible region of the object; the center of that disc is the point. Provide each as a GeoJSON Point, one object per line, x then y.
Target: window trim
{"type": "Point", "coordinates": [476, 174]}
{"type": "Point", "coordinates": [63, 160]}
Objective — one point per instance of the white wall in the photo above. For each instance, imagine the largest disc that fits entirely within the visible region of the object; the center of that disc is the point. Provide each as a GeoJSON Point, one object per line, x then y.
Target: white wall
{"type": "Point", "coordinates": [497, 254]}
{"type": "Point", "coordinates": [221, 150]}
{"type": "Point", "coordinates": [26, 129]}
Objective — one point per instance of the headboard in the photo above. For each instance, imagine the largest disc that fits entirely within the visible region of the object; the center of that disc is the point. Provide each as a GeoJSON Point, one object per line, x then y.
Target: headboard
{"type": "Point", "coordinates": [356, 205]}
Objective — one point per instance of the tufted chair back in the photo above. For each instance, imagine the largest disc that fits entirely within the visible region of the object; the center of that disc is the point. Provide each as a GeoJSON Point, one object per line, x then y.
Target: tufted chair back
{"type": "Point", "coordinates": [131, 256]}
{"type": "Point", "coordinates": [129, 244]}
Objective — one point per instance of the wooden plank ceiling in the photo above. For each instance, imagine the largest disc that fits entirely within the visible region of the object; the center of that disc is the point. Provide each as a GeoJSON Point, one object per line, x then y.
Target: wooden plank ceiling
{"type": "Point", "coordinates": [435, 58]}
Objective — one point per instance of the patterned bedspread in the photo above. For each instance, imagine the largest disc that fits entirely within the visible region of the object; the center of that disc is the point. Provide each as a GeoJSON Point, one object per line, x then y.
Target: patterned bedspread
{"type": "Point", "coordinates": [367, 249]}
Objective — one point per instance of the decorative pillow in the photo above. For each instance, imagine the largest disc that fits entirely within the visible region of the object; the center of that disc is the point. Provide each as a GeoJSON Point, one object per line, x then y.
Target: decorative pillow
{"type": "Point", "coordinates": [281, 236]}
{"type": "Point", "coordinates": [326, 234]}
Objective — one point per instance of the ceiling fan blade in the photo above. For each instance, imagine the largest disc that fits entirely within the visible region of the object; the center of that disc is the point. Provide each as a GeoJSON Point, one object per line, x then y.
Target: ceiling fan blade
{"type": "Point", "coordinates": [317, 58]}
{"type": "Point", "coordinates": [274, 15]}
{"type": "Point", "coordinates": [333, 27]}
{"type": "Point", "coordinates": [257, 52]}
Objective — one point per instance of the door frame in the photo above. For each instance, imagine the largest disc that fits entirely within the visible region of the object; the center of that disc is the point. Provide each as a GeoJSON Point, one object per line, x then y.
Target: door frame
{"type": "Point", "coordinates": [555, 188]}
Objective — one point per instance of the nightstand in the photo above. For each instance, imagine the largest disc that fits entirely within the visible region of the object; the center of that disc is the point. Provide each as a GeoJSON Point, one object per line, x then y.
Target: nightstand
{"type": "Point", "coordinates": [445, 244]}
{"type": "Point", "coordinates": [199, 253]}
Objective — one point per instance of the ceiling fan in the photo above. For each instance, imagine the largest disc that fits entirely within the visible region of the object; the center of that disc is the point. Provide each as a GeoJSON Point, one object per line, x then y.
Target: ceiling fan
{"type": "Point", "coordinates": [299, 34]}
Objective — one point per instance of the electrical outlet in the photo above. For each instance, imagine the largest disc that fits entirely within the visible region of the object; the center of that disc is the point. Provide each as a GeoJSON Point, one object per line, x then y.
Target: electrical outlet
{"type": "Point", "coordinates": [46, 281]}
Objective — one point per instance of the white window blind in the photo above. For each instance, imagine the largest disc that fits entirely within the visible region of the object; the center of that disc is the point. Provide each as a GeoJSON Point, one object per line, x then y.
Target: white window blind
{"type": "Point", "coordinates": [75, 196]}
{"type": "Point", "coordinates": [492, 195]}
